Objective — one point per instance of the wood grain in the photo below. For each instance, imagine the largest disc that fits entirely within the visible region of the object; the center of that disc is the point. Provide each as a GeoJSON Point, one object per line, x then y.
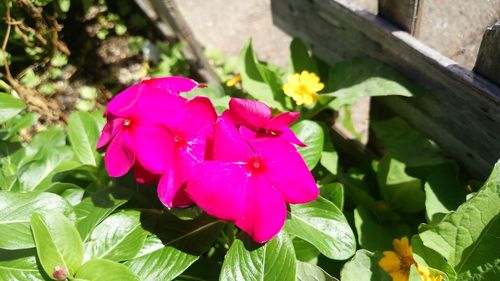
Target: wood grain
{"type": "Point", "coordinates": [404, 13]}
{"type": "Point", "coordinates": [461, 111]}
{"type": "Point", "coordinates": [488, 59]}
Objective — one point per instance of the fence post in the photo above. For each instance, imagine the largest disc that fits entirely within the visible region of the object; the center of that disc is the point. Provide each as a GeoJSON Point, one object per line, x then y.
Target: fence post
{"type": "Point", "coordinates": [488, 59]}
{"type": "Point", "coordinates": [404, 13]}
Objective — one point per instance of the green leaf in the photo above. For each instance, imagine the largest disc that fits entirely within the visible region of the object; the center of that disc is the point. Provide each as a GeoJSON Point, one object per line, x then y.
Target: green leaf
{"type": "Point", "coordinates": [104, 270]}
{"type": "Point", "coordinates": [16, 124]}
{"type": "Point", "coordinates": [430, 258]}
{"type": "Point", "coordinates": [300, 58]}
{"type": "Point", "coordinates": [253, 81]}
{"type": "Point", "coordinates": [334, 192]}
{"type": "Point", "coordinates": [311, 272]}
{"type": "Point", "coordinates": [17, 209]}
{"type": "Point", "coordinates": [9, 107]}
{"type": "Point", "coordinates": [20, 265]}
{"type": "Point", "coordinates": [312, 135]}
{"type": "Point", "coordinates": [83, 134]}
{"type": "Point", "coordinates": [57, 242]}
{"type": "Point", "coordinates": [73, 193]}
{"type": "Point", "coordinates": [401, 191]}
{"type": "Point", "coordinates": [304, 251]}
{"type": "Point", "coordinates": [274, 260]}
{"type": "Point", "coordinates": [374, 235]}
{"type": "Point", "coordinates": [443, 192]}
{"type": "Point", "coordinates": [118, 238]}
{"type": "Point", "coordinates": [356, 78]}
{"type": "Point", "coordinates": [467, 238]}
{"type": "Point", "coordinates": [364, 267]}
{"type": "Point", "coordinates": [190, 236]}
{"type": "Point", "coordinates": [407, 144]}
{"type": "Point", "coordinates": [38, 174]}
{"type": "Point", "coordinates": [329, 157]}
{"type": "Point", "coordinates": [323, 225]}
{"type": "Point", "coordinates": [163, 263]}
{"type": "Point", "coordinates": [93, 209]}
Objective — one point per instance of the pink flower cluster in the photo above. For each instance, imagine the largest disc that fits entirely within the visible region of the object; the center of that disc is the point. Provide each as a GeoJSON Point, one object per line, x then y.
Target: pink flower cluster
{"type": "Point", "coordinates": [241, 166]}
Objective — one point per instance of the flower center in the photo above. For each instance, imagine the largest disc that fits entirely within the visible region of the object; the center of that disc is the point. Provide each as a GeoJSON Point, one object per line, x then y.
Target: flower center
{"type": "Point", "coordinates": [179, 141]}
{"type": "Point", "coordinates": [303, 90]}
{"type": "Point", "coordinates": [255, 165]}
{"type": "Point", "coordinates": [406, 263]}
{"type": "Point", "coordinates": [127, 122]}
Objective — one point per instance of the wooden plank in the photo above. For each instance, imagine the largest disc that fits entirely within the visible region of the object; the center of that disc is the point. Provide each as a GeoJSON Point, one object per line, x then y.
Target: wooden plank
{"type": "Point", "coordinates": [488, 59]}
{"type": "Point", "coordinates": [404, 13]}
{"type": "Point", "coordinates": [461, 112]}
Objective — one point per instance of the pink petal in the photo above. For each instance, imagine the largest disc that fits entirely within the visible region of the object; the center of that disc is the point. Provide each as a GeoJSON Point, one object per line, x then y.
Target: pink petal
{"type": "Point", "coordinates": [228, 144]}
{"type": "Point", "coordinates": [171, 189]}
{"type": "Point", "coordinates": [158, 107]}
{"type": "Point", "coordinates": [290, 136]}
{"type": "Point", "coordinates": [143, 176]}
{"type": "Point", "coordinates": [123, 103]}
{"type": "Point", "coordinates": [265, 210]}
{"type": "Point", "coordinates": [282, 120]}
{"type": "Point", "coordinates": [286, 170]}
{"type": "Point", "coordinates": [219, 188]}
{"type": "Point", "coordinates": [172, 194]}
{"type": "Point", "coordinates": [109, 131]}
{"type": "Point", "coordinates": [120, 155]}
{"type": "Point", "coordinates": [174, 84]}
{"type": "Point", "coordinates": [253, 114]}
{"type": "Point", "coordinates": [199, 118]}
{"type": "Point", "coordinates": [154, 147]}
{"type": "Point", "coordinates": [247, 134]}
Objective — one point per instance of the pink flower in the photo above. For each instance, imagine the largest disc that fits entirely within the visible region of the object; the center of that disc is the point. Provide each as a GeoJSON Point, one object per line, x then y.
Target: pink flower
{"type": "Point", "coordinates": [189, 140]}
{"type": "Point", "coordinates": [250, 183]}
{"type": "Point", "coordinates": [138, 119]}
{"type": "Point", "coordinates": [254, 120]}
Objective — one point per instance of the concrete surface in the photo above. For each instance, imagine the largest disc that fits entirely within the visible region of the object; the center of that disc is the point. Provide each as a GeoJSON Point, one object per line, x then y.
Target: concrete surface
{"type": "Point", "coordinates": [453, 27]}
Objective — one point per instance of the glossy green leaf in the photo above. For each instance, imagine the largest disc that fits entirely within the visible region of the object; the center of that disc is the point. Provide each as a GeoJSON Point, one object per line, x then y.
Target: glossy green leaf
{"type": "Point", "coordinates": [104, 270]}
{"type": "Point", "coordinates": [20, 265]}
{"type": "Point", "coordinates": [364, 267]}
{"type": "Point", "coordinates": [73, 195]}
{"type": "Point", "coordinates": [17, 209]}
{"type": "Point", "coordinates": [57, 242]}
{"type": "Point", "coordinates": [83, 135]}
{"type": "Point", "coordinates": [158, 262]}
{"type": "Point", "coordinates": [333, 192]}
{"type": "Point", "coordinates": [38, 174]}
{"type": "Point", "coordinates": [356, 78]}
{"type": "Point", "coordinates": [300, 58]}
{"type": "Point", "coordinates": [9, 107]}
{"type": "Point", "coordinates": [311, 272]}
{"type": "Point", "coordinates": [401, 191]}
{"type": "Point", "coordinates": [329, 157]}
{"type": "Point", "coordinates": [274, 260]}
{"type": "Point", "coordinates": [252, 80]}
{"type": "Point", "coordinates": [118, 238]}
{"type": "Point", "coordinates": [323, 225]}
{"type": "Point", "coordinates": [190, 236]}
{"type": "Point", "coordinates": [468, 237]}
{"type": "Point", "coordinates": [93, 209]}
{"type": "Point", "coordinates": [407, 144]}
{"type": "Point", "coordinates": [374, 235]}
{"type": "Point", "coordinates": [304, 251]}
{"type": "Point", "coordinates": [312, 135]}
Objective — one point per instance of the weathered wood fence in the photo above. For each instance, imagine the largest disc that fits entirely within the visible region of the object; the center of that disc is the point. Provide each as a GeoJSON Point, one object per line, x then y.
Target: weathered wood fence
{"type": "Point", "coordinates": [461, 111]}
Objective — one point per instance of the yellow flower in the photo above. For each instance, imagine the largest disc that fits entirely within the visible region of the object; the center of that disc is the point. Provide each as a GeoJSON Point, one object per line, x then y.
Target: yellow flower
{"type": "Point", "coordinates": [426, 274]}
{"type": "Point", "coordinates": [231, 82]}
{"type": "Point", "coordinates": [303, 88]}
{"type": "Point", "coordinates": [398, 263]}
